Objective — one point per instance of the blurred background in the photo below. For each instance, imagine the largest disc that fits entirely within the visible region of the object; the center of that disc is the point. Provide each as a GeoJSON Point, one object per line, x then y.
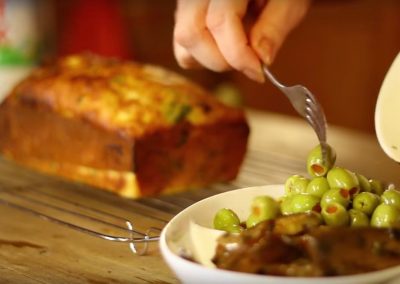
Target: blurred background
{"type": "Point", "coordinates": [341, 51]}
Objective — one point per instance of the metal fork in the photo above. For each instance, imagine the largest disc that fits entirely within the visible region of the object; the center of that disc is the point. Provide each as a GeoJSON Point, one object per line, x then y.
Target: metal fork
{"type": "Point", "coordinates": [306, 105]}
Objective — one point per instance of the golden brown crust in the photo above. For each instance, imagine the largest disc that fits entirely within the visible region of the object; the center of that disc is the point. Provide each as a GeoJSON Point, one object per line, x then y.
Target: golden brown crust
{"type": "Point", "coordinates": [120, 117]}
{"type": "Point", "coordinates": [33, 131]}
{"type": "Point", "coordinates": [122, 97]}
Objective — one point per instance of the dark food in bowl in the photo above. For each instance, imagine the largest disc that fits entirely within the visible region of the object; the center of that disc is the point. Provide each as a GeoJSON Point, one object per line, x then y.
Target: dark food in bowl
{"type": "Point", "coordinates": [298, 245]}
{"type": "Point", "coordinates": [336, 223]}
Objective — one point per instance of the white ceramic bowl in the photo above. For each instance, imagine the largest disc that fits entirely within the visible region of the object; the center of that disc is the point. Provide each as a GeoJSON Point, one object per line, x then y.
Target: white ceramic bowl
{"type": "Point", "coordinates": [190, 232]}
{"type": "Point", "coordinates": [387, 112]}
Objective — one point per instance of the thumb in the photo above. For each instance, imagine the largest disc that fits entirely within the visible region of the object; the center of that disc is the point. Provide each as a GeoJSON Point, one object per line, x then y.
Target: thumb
{"type": "Point", "coordinates": [276, 21]}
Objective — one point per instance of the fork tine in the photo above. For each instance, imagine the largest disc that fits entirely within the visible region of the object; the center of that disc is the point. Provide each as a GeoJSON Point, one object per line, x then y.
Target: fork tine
{"type": "Point", "coordinates": [316, 123]}
{"type": "Point", "coordinates": [318, 113]}
{"type": "Point", "coordinates": [311, 120]}
{"type": "Point", "coordinates": [313, 103]}
{"type": "Point", "coordinates": [306, 105]}
{"type": "Point", "coordinates": [320, 120]}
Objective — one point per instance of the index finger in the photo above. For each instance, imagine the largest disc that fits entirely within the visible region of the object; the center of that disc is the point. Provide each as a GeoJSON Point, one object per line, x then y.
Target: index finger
{"type": "Point", "coordinates": [224, 21]}
{"type": "Point", "coordinates": [277, 20]}
{"type": "Point", "coordinates": [192, 41]}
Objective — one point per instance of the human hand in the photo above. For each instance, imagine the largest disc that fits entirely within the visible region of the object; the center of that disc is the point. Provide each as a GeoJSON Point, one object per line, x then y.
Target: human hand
{"type": "Point", "coordinates": [213, 33]}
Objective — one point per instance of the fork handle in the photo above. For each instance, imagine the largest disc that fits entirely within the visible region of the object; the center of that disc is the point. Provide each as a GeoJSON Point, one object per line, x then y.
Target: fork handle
{"type": "Point", "coordinates": [271, 77]}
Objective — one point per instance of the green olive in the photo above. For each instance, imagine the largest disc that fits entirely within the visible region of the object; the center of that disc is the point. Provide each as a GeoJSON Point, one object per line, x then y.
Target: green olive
{"type": "Point", "coordinates": [299, 203]}
{"type": "Point", "coordinates": [391, 197]}
{"type": "Point", "coordinates": [385, 216]}
{"type": "Point", "coordinates": [344, 179]}
{"type": "Point", "coordinates": [366, 202]}
{"type": "Point", "coordinates": [316, 166]}
{"type": "Point", "coordinates": [363, 182]}
{"type": "Point", "coordinates": [252, 220]}
{"type": "Point", "coordinates": [334, 214]}
{"type": "Point", "coordinates": [318, 186]}
{"type": "Point", "coordinates": [296, 184]}
{"type": "Point", "coordinates": [358, 218]}
{"type": "Point", "coordinates": [376, 186]}
{"type": "Point", "coordinates": [336, 195]}
{"type": "Point", "coordinates": [227, 220]}
{"type": "Point", "coordinates": [262, 208]}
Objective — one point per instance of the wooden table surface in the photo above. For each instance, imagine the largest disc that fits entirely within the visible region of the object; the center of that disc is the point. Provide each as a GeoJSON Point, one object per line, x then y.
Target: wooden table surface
{"type": "Point", "coordinates": [33, 250]}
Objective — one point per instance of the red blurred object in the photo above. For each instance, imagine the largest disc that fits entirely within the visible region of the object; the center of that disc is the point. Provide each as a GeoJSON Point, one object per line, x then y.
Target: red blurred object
{"type": "Point", "coordinates": [96, 26]}
{"type": "Point", "coordinates": [2, 21]}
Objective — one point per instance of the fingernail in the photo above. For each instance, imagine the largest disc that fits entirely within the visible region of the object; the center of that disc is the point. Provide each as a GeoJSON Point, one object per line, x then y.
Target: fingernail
{"type": "Point", "coordinates": [254, 75]}
{"type": "Point", "coordinates": [266, 50]}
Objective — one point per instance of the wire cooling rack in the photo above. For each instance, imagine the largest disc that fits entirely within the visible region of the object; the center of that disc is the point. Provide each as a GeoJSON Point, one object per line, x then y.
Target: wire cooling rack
{"type": "Point", "coordinates": [259, 168]}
